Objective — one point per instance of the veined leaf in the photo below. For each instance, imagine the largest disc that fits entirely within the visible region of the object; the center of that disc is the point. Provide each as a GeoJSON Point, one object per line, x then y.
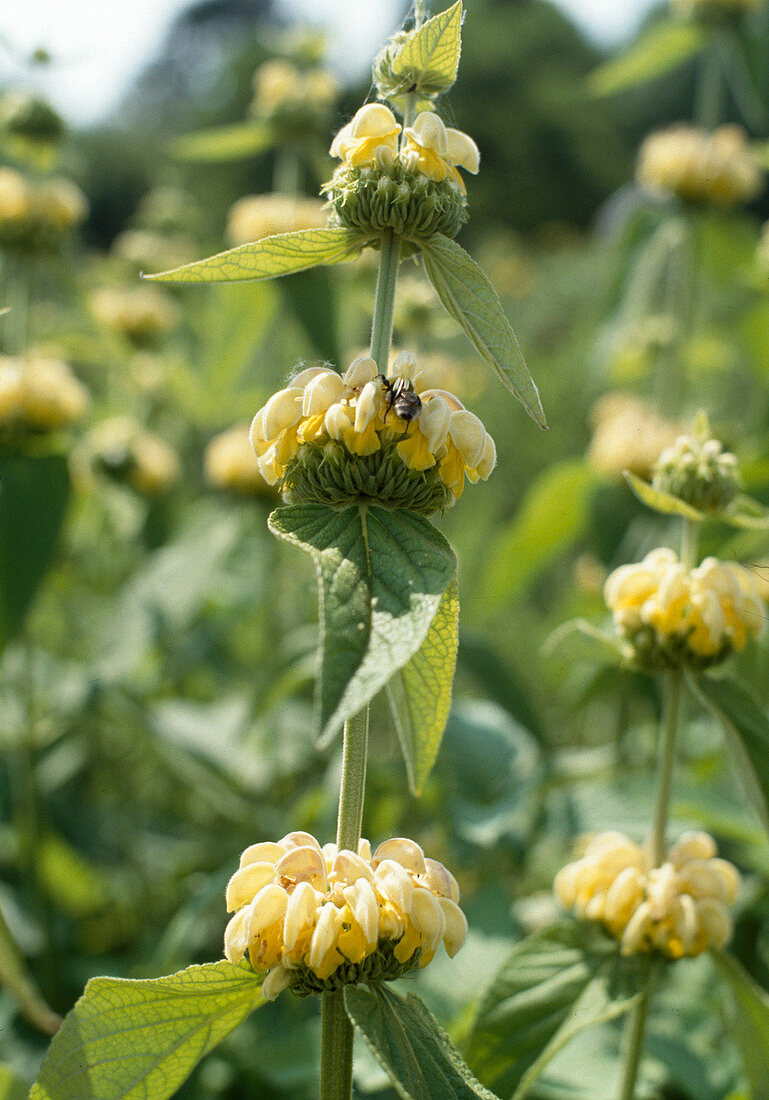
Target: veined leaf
{"type": "Point", "coordinates": [430, 57]}
{"type": "Point", "coordinates": [34, 494]}
{"type": "Point", "coordinates": [556, 983]}
{"type": "Point", "coordinates": [747, 732]}
{"type": "Point", "coordinates": [472, 301]}
{"type": "Point", "coordinates": [748, 1009]}
{"type": "Point", "coordinates": [241, 139]}
{"type": "Point", "coordinates": [420, 692]}
{"type": "Point", "coordinates": [139, 1040]}
{"type": "Point", "coordinates": [661, 49]}
{"type": "Point", "coordinates": [408, 1043]}
{"type": "Point", "coordinates": [662, 502]}
{"type": "Point", "coordinates": [381, 578]}
{"type": "Point", "coordinates": [282, 254]}
{"type": "Point", "coordinates": [554, 512]}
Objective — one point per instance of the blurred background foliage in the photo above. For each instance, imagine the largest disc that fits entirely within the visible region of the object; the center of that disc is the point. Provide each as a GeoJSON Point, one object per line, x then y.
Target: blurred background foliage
{"type": "Point", "coordinates": [157, 678]}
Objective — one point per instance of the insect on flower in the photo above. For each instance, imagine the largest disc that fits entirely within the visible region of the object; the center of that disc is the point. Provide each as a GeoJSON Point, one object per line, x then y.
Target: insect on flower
{"type": "Point", "coordinates": [401, 396]}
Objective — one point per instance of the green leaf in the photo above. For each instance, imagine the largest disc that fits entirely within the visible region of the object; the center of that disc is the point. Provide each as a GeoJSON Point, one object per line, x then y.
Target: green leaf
{"type": "Point", "coordinates": [381, 578]}
{"type": "Point", "coordinates": [410, 1046]}
{"type": "Point", "coordinates": [661, 49]}
{"type": "Point", "coordinates": [556, 983]}
{"type": "Point", "coordinates": [420, 691]}
{"type": "Point", "coordinates": [11, 1086]}
{"type": "Point", "coordinates": [746, 727]}
{"type": "Point", "coordinates": [139, 1040]}
{"type": "Point", "coordinates": [745, 512]}
{"type": "Point", "coordinates": [581, 640]}
{"type": "Point", "coordinates": [553, 514]}
{"type": "Point", "coordinates": [472, 301]}
{"type": "Point", "coordinates": [241, 139]}
{"type": "Point", "coordinates": [662, 502]}
{"type": "Point", "coordinates": [15, 978]}
{"type": "Point", "coordinates": [430, 57]}
{"type": "Point", "coordinates": [282, 254]}
{"type": "Point", "coordinates": [34, 494]}
{"type": "Point", "coordinates": [748, 1011]}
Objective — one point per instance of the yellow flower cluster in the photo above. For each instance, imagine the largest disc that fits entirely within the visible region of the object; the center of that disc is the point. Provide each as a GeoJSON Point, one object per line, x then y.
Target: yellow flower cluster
{"type": "Point", "coordinates": [628, 435]}
{"type": "Point", "coordinates": [142, 313]}
{"type": "Point", "coordinates": [257, 216]}
{"type": "Point", "coordinates": [700, 166]}
{"type": "Point", "coordinates": [229, 463]}
{"type": "Point", "coordinates": [278, 84]}
{"type": "Point", "coordinates": [345, 419]}
{"type": "Point", "coordinates": [316, 918]}
{"type": "Point", "coordinates": [123, 450]}
{"type": "Point", "coordinates": [673, 616]}
{"type": "Point", "coordinates": [38, 215]}
{"type": "Point", "coordinates": [429, 147]}
{"type": "Point", "coordinates": [39, 394]}
{"type": "Point", "coordinates": [680, 908]}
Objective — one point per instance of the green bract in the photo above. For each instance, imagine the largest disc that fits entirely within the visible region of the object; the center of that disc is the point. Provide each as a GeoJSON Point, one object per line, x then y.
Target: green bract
{"type": "Point", "coordinates": [421, 63]}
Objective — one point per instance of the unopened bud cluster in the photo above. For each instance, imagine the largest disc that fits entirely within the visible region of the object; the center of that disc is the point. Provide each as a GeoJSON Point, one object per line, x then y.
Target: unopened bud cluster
{"type": "Point", "coordinates": [679, 909]}
{"type": "Point", "coordinates": [673, 617]}
{"type": "Point", "coordinates": [699, 472]}
{"type": "Point", "coordinates": [411, 186]}
{"type": "Point", "coordinates": [700, 166]}
{"type": "Point", "coordinates": [38, 216]}
{"type": "Point", "coordinates": [26, 115]}
{"type": "Point", "coordinates": [628, 435]}
{"type": "Point", "coordinates": [257, 216]}
{"type": "Point", "coordinates": [336, 439]}
{"type": "Point", "coordinates": [294, 102]}
{"type": "Point", "coordinates": [315, 918]}
{"type": "Point", "coordinates": [394, 83]}
{"type": "Point", "coordinates": [38, 395]}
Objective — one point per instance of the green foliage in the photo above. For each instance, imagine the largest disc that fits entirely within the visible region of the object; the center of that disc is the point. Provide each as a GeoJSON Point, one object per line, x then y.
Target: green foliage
{"type": "Point", "coordinates": [472, 301]}
{"type": "Point", "coordinates": [282, 254]}
{"type": "Point", "coordinates": [381, 579]}
{"type": "Point", "coordinates": [429, 60]}
{"type": "Point", "coordinates": [11, 1086]}
{"type": "Point", "coordinates": [415, 1052]}
{"type": "Point", "coordinates": [553, 514]}
{"type": "Point", "coordinates": [141, 1039]}
{"type": "Point", "coordinates": [556, 983]}
{"type": "Point", "coordinates": [239, 139]}
{"type": "Point", "coordinates": [748, 1009]}
{"type": "Point", "coordinates": [746, 727]}
{"type": "Point", "coordinates": [311, 299]}
{"type": "Point", "coordinates": [420, 691]}
{"type": "Point", "coordinates": [659, 501]}
{"type": "Point", "coordinates": [34, 494]}
{"type": "Point", "coordinates": [656, 52]}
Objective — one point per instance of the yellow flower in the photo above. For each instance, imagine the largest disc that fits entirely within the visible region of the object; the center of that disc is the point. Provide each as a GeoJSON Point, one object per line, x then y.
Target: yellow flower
{"type": "Point", "coordinates": [672, 616]}
{"type": "Point", "coordinates": [39, 394]}
{"type": "Point", "coordinates": [302, 912]}
{"type": "Point", "coordinates": [701, 166]}
{"type": "Point", "coordinates": [230, 463]}
{"type": "Point", "coordinates": [436, 150]}
{"type": "Point", "coordinates": [372, 128]}
{"type": "Point", "coordinates": [257, 216]}
{"type": "Point", "coordinates": [325, 421]}
{"type": "Point", "coordinates": [121, 448]}
{"type": "Point", "coordinates": [628, 435]}
{"type": "Point", "coordinates": [142, 313]}
{"type": "Point", "coordinates": [679, 908]}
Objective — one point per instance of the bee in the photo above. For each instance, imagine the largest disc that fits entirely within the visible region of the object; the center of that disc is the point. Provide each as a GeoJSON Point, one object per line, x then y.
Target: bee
{"type": "Point", "coordinates": [400, 395]}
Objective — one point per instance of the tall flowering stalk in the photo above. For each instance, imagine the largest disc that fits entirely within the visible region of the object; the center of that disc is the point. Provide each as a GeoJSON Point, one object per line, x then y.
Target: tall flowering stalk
{"type": "Point", "coordinates": [363, 458]}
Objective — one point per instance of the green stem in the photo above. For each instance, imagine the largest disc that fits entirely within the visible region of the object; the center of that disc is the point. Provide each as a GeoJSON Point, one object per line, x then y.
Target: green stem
{"type": "Point", "coordinates": [336, 1048]}
{"type": "Point", "coordinates": [633, 1039]}
{"type": "Point", "coordinates": [671, 696]}
{"type": "Point", "coordinates": [287, 171]}
{"type": "Point", "coordinates": [384, 300]}
{"type": "Point", "coordinates": [708, 99]}
{"type": "Point", "coordinates": [351, 794]}
{"type": "Point", "coordinates": [19, 292]}
{"type": "Point", "coordinates": [689, 539]}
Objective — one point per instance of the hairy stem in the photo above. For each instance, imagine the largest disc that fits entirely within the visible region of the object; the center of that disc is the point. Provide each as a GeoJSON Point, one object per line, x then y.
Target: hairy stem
{"type": "Point", "coordinates": [384, 301]}
{"type": "Point", "coordinates": [352, 791]}
{"type": "Point", "coordinates": [689, 537]}
{"type": "Point", "coordinates": [632, 1041]}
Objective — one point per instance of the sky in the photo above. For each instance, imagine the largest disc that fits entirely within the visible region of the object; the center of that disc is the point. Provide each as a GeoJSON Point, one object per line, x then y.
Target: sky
{"type": "Point", "coordinates": [100, 47]}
